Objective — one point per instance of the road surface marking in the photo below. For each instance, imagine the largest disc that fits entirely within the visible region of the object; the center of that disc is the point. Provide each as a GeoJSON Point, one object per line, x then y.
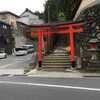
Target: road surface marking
{"type": "Point", "coordinates": [51, 85]}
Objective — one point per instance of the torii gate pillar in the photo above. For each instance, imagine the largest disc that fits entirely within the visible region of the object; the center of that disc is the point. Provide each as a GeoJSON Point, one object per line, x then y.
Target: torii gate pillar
{"type": "Point", "coordinates": [40, 45]}
{"type": "Point", "coordinates": [72, 48]}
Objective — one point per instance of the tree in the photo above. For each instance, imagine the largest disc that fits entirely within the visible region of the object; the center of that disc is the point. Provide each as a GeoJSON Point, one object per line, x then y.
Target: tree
{"type": "Point", "coordinates": [41, 15]}
{"type": "Point", "coordinates": [50, 12]}
{"type": "Point", "coordinates": [61, 17]}
{"type": "Point", "coordinates": [58, 10]}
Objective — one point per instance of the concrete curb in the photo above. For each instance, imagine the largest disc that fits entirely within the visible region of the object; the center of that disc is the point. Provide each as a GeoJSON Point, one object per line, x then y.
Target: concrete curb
{"type": "Point", "coordinates": [45, 74]}
{"type": "Point", "coordinates": [91, 75]}
{"type": "Point", "coordinates": [57, 77]}
{"type": "Point", "coordinates": [67, 74]}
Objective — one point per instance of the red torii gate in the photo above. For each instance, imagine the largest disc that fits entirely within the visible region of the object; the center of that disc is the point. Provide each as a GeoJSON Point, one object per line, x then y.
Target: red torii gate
{"type": "Point", "coordinates": [62, 28]}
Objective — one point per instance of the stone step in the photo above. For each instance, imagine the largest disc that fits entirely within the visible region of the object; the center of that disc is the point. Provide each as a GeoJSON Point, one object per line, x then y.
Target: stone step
{"type": "Point", "coordinates": [59, 60]}
{"type": "Point", "coordinates": [55, 69]}
{"type": "Point", "coordinates": [45, 66]}
{"type": "Point", "coordinates": [59, 54]}
{"type": "Point", "coordinates": [56, 61]}
{"type": "Point", "coordinates": [51, 58]}
{"type": "Point", "coordinates": [60, 51]}
{"type": "Point", "coordinates": [56, 64]}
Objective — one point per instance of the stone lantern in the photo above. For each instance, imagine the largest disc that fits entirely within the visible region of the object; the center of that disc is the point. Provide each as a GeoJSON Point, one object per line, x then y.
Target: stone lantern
{"type": "Point", "coordinates": [94, 52]}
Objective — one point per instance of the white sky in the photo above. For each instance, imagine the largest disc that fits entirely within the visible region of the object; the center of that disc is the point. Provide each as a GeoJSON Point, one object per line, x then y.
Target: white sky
{"type": "Point", "coordinates": [18, 6]}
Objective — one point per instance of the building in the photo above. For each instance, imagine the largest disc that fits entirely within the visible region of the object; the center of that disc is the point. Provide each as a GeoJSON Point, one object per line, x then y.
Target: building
{"type": "Point", "coordinates": [20, 24]}
{"type": "Point", "coordinates": [18, 30]}
{"type": "Point", "coordinates": [6, 38]}
{"type": "Point", "coordinates": [9, 18]}
{"type": "Point", "coordinates": [29, 18]}
{"type": "Point", "coordinates": [23, 35]}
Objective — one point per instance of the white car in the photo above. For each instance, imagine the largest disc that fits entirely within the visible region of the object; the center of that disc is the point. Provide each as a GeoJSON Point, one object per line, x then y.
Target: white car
{"type": "Point", "coordinates": [29, 48]}
{"type": "Point", "coordinates": [20, 51]}
{"type": "Point", "coordinates": [3, 55]}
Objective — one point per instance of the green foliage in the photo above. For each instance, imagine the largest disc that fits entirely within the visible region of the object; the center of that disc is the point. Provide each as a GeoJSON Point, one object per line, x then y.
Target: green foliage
{"type": "Point", "coordinates": [57, 10]}
{"type": "Point", "coordinates": [35, 37]}
{"type": "Point", "coordinates": [50, 13]}
{"type": "Point", "coordinates": [41, 15]}
{"type": "Point", "coordinates": [61, 17]}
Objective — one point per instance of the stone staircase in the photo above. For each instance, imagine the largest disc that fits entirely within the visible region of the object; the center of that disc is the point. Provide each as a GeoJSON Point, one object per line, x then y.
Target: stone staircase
{"type": "Point", "coordinates": [57, 61]}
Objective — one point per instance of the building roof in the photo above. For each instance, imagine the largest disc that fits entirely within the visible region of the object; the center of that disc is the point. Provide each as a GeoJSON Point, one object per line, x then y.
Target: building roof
{"type": "Point", "coordinates": [56, 24]}
{"type": "Point", "coordinates": [30, 18]}
{"type": "Point", "coordinates": [22, 23]}
{"type": "Point", "coordinates": [8, 12]}
{"type": "Point", "coordinates": [28, 10]}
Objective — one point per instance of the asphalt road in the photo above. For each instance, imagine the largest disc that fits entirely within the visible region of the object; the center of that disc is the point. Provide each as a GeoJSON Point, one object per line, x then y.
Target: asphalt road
{"type": "Point", "coordinates": [28, 88]}
{"type": "Point", "coordinates": [16, 62]}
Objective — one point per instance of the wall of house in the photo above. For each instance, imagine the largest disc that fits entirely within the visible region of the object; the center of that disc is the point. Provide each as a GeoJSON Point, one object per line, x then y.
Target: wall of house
{"type": "Point", "coordinates": [3, 18]}
{"type": "Point", "coordinates": [20, 39]}
{"type": "Point", "coordinates": [10, 19]}
{"type": "Point", "coordinates": [6, 38]}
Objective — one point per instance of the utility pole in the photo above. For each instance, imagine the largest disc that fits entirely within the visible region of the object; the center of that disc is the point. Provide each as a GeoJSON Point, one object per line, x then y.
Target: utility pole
{"type": "Point", "coordinates": [48, 13]}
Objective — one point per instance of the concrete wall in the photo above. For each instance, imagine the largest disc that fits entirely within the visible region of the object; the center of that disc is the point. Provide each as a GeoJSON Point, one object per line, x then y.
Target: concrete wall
{"type": "Point", "coordinates": [20, 41]}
